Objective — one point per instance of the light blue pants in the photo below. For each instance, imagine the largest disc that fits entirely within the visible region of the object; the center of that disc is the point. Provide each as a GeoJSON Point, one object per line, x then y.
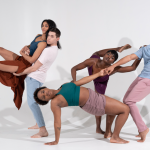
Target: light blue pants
{"type": "Point", "coordinates": [32, 85]}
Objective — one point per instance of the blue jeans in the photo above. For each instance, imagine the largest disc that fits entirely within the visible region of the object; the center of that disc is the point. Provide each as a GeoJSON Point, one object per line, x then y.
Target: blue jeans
{"type": "Point", "coordinates": [32, 85]}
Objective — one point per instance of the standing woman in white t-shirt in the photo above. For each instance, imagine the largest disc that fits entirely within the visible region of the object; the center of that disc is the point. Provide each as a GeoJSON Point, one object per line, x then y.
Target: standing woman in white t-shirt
{"type": "Point", "coordinates": [37, 75]}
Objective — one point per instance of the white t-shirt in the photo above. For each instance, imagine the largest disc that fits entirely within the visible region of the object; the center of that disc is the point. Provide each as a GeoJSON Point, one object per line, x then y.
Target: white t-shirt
{"type": "Point", "coordinates": [47, 57]}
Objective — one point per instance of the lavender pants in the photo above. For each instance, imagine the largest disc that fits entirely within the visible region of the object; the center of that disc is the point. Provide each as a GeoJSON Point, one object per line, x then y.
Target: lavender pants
{"type": "Point", "coordinates": [138, 90]}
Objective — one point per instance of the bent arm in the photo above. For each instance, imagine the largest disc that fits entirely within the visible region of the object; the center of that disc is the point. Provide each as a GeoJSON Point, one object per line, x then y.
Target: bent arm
{"type": "Point", "coordinates": [36, 54]}
{"type": "Point", "coordinates": [127, 68]}
{"type": "Point", "coordinates": [33, 68]}
{"type": "Point", "coordinates": [101, 53]}
{"type": "Point", "coordinates": [90, 78]}
{"type": "Point", "coordinates": [80, 66]}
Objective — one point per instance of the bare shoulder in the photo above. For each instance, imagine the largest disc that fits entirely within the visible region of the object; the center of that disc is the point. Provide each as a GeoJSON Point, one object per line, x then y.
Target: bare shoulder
{"type": "Point", "coordinates": [91, 61]}
{"type": "Point", "coordinates": [42, 44]}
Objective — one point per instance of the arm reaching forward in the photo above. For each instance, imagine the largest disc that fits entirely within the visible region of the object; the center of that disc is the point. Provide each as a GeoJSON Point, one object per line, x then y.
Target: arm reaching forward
{"type": "Point", "coordinates": [122, 61]}
{"type": "Point", "coordinates": [90, 78]}
{"type": "Point", "coordinates": [28, 70]}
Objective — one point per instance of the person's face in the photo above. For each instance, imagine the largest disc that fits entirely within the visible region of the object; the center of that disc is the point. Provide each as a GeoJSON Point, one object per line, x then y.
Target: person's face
{"type": "Point", "coordinates": [45, 94]}
{"type": "Point", "coordinates": [109, 58]}
{"type": "Point", "coordinates": [52, 39]}
{"type": "Point", "coordinates": [45, 27]}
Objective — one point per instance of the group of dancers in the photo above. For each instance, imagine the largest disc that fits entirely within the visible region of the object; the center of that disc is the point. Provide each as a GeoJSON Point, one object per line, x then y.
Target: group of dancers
{"type": "Point", "coordinates": [37, 58]}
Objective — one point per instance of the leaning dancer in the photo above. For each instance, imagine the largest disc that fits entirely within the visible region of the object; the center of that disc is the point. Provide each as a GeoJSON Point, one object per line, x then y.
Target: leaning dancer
{"type": "Point", "coordinates": [37, 75]}
{"type": "Point", "coordinates": [15, 63]}
{"type": "Point", "coordinates": [139, 88]}
{"type": "Point", "coordinates": [95, 64]}
{"type": "Point", "coordinates": [71, 94]}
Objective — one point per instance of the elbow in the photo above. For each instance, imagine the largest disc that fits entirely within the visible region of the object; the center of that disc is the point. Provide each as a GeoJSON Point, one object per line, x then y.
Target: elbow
{"type": "Point", "coordinates": [73, 69]}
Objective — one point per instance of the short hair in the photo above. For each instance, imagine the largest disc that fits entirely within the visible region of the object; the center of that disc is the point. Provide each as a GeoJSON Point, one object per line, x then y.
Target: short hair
{"type": "Point", "coordinates": [58, 34]}
{"type": "Point", "coordinates": [36, 97]}
{"type": "Point", "coordinates": [114, 53]}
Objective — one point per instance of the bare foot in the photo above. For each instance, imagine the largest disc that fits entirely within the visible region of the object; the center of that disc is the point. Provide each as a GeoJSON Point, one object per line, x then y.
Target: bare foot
{"type": "Point", "coordinates": [143, 135]}
{"type": "Point", "coordinates": [127, 46]}
{"type": "Point", "coordinates": [40, 134]}
{"type": "Point", "coordinates": [107, 134]}
{"type": "Point", "coordinates": [34, 127]}
{"type": "Point", "coordinates": [118, 140]}
{"type": "Point", "coordinates": [138, 135]}
{"type": "Point", "coordinates": [99, 130]}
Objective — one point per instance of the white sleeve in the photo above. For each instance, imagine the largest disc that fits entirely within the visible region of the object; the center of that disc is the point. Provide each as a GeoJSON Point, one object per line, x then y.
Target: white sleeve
{"type": "Point", "coordinates": [45, 56]}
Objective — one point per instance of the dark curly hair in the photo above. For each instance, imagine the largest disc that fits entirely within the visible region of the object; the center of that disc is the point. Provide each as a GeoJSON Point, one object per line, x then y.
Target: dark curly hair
{"type": "Point", "coordinates": [36, 97]}
{"type": "Point", "coordinates": [114, 53]}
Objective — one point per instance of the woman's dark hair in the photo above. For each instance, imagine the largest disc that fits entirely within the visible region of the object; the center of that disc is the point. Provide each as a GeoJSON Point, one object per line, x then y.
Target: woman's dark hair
{"type": "Point", "coordinates": [114, 53]}
{"type": "Point", "coordinates": [51, 23]}
{"type": "Point", "coordinates": [58, 34]}
{"type": "Point", "coordinates": [36, 97]}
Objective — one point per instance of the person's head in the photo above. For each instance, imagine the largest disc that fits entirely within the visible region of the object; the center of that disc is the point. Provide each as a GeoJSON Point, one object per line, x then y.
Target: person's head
{"type": "Point", "coordinates": [53, 36]}
{"type": "Point", "coordinates": [110, 57]}
{"type": "Point", "coordinates": [47, 24]}
{"type": "Point", "coordinates": [43, 95]}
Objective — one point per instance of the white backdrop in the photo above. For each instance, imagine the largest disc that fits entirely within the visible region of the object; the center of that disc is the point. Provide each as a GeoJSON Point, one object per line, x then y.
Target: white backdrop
{"type": "Point", "coordinates": [86, 26]}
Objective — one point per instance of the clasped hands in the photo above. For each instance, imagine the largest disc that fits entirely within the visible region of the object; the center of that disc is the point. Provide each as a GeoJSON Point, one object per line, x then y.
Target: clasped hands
{"type": "Point", "coordinates": [25, 50]}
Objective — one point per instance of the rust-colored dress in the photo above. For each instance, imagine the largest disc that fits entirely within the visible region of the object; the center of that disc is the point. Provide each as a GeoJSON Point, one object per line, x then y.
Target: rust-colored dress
{"type": "Point", "coordinates": [15, 82]}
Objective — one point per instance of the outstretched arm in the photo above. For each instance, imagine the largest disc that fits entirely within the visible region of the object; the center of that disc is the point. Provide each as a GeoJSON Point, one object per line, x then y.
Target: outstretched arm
{"type": "Point", "coordinates": [36, 54]}
{"type": "Point", "coordinates": [28, 70]}
{"type": "Point", "coordinates": [121, 62]}
{"type": "Point", "coordinates": [127, 68]}
{"type": "Point", "coordinates": [57, 122]}
{"type": "Point", "coordinates": [81, 66]}
{"type": "Point", "coordinates": [90, 78]}
{"type": "Point", "coordinates": [101, 53]}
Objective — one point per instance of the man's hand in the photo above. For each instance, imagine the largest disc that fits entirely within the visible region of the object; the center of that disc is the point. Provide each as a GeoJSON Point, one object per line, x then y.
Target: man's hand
{"type": "Point", "coordinates": [15, 74]}
{"type": "Point", "coordinates": [51, 143]}
{"type": "Point", "coordinates": [109, 70]}
{"type": "Point", "coordinates": [127, 46]}
{"type": "Point", "coordinates": [143, 46]}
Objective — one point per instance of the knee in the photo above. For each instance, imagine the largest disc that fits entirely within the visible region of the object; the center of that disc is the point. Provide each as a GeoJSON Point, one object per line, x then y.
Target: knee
{"type": "Point", "coordinates": [126, 109]}
{"type": "Point", "coordinates": [32, 105]}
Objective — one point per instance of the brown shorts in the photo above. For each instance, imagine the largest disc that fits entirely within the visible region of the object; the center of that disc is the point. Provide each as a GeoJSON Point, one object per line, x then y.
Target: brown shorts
{"type": "Point", "coordinates": [15, 82]}
{"type": "Point", "coordinates": [95, 105]}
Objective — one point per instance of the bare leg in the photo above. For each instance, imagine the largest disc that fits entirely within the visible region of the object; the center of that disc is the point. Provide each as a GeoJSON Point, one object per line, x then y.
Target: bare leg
{"type": "Point", "coordinates": [98, 123]}
{"type": "Point", "coordinates": [114, 107]}
{"type": "Point", "coordinates": [7, 55]}
{"type": "Point", "coordinates": [109, 121]}
{"type": "Point", "coordinates": [42, 133]}
{"type": "Point", "coordinates": [34, 127]}
{"type": "Point", "coordinates": [8, 68]}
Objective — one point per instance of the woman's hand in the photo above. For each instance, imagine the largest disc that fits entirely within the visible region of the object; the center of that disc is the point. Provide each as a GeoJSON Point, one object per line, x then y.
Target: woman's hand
{"type": "Point", "coordinates": [109, 70]}
{"type": "Point", "coordinates": [51, 143]}
{"type": "Point", "coordinates": [102, 72]}
{"type": "Point", "coordinates": [25, 50]}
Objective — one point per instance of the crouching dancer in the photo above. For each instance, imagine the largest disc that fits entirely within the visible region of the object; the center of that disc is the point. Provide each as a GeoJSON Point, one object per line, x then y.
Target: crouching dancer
{"type": "Point", "coordinates": [71, 94]}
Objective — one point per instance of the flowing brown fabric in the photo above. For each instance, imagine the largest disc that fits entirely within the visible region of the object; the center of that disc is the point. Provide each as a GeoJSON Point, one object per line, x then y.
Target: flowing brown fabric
{"type": "Point", "coordinates": [15, 82]}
